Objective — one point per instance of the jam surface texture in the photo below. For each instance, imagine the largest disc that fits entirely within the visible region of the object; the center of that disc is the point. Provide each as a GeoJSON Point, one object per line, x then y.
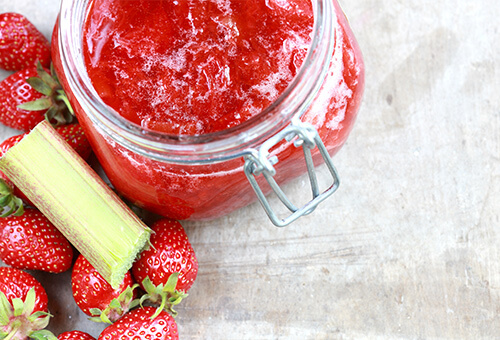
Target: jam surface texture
{"type": "Point", "coordinates": [190, 67]}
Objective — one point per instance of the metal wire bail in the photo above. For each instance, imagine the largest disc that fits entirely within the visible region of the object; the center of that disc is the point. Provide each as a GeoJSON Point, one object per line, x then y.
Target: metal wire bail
{"type": "Point", "coordinates": [259, 162]}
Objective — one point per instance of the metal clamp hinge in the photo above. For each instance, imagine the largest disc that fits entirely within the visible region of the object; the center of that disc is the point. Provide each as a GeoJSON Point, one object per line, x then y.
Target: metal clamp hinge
{"type": "Point", "coordinates": [259, 162]}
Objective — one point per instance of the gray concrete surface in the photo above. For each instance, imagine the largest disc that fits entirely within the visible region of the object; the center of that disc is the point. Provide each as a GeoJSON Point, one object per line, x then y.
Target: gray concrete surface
{"type": "Point", "coordinates": [408, 248]}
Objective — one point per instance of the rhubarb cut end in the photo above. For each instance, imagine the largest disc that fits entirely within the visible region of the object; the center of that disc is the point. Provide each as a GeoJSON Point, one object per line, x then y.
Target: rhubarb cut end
{"type": "Point", "coordinates": [118, 273]}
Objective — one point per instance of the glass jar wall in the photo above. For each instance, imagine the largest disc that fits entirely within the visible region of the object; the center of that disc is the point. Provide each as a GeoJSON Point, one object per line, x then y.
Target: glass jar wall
{"type": "Point", "coordinates": [201, 176]}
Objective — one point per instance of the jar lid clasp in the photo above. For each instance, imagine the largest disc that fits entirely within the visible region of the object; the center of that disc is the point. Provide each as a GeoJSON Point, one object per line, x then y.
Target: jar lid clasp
{"type": "Point", "coordinates": [261, 162]}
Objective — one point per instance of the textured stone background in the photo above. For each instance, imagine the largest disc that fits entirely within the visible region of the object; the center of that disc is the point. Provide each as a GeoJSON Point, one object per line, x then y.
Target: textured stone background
{"type": "Point", "coordinates": [408, 246]}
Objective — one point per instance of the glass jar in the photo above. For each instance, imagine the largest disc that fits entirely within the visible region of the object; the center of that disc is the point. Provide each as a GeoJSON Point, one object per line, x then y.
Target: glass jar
{"type": "Point", "coordinates": [210, 175]}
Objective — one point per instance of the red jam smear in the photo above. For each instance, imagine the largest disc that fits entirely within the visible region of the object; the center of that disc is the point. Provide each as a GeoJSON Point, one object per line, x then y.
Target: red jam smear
{"type": "Point", "coordinates": [193, 67]}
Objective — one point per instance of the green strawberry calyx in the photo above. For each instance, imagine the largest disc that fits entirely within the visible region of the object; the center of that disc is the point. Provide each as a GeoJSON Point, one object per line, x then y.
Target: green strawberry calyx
{"type": "Point", "coordinates": [55, 101]}
{"type": "Point", "coordinates": [10, 204]}
{"type": "Point", "coordinates": [117, 307]}
{"type": "Point", "coordinates": [19, 321]}
{"type": "Point", "coordinates": [163, 294]}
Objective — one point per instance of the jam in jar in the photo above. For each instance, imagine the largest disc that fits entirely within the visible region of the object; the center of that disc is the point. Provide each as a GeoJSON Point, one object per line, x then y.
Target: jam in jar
{"type": "Point", "coordinates": [180, 99]}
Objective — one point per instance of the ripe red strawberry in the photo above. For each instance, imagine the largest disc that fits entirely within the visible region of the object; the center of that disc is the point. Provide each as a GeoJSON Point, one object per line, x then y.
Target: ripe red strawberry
{"type": "Point", "coordinates": [167, 270]}
{"type": "Point", "coordinates": [95, 296]}
{"type": "Point", "coordinates": [14, 91]}
{"type": "Point", "coordinates": [75, 335]}
{"type": "Point", "coordinates": [72, 133]}
{"type": "Point", "coordinates": [31, 95]}
{"type": "Point", "coordinates": [23, 306]}
{"type": "Point", "coordinates": [22, 43]}
{"type": "Point", "coordinates": [32, 242]}
{"type": "Point", "coordinates": [139, 324]}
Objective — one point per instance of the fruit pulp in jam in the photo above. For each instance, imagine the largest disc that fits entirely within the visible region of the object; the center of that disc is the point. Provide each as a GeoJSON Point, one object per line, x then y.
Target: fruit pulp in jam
{"type": "Point", "coordinates": [191, 67]}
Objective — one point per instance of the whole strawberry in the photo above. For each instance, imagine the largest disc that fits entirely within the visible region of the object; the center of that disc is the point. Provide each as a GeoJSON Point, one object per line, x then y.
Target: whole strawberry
{"type": "Point", "coordinates": [22, 43]}
{"type": "Point", "coordinates": [23, 306]}
{"type": "Point", "coordinates": [95, 296]}
{"type": "Point", "coordinates": [29, 96]}
{"type": "Point", "coordinates": [31, 241]}
{"type": "Point", "coordinates": [75, 335]}
{"type": "Point", "coordinates": [140, 323]}
{"type": "Point", "coordinates": [168, 269]}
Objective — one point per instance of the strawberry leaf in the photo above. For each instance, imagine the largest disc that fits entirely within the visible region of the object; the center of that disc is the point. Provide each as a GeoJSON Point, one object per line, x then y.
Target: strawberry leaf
{"type": "Point", "coordinates": [36, 105]}
{"type": "Point", "coordinates": [45, 77]}
{"type": "Point", "coordinates": [43, 335]}
{"type": "Point", "coordinates": [61, 95]}
{"type": "Point", "coordinates": [53, 73]}
{"type": "Point", "coordinates": [104, 318]}
{"type": "Point", "coordinates": [171, 283]}
{"type": "Point", "coordinates": [5, 200]}
{"type": "Point", "coordinates": [100, 316]}
{"type": "Point", "coordinates": [51, 113]}
{"type": "Point", "coordinates": [95, 311]}
{"type": "Point", "coordinates": [9, 203]}
{"type": "Point", "coordinates": [18, 305]}
{"type": "Point", "coordinates": [29, 302]}
{"type": "Point", "coordinates": [5, 310]}
{"type": "Point", "coordinates": [39, 314]}
{"type": "Point", "coordinates": [41, 321]}
{"type": "Point", "coordinates": [39, 85]}
{"type": "Point", "coordinates": [12, 210]}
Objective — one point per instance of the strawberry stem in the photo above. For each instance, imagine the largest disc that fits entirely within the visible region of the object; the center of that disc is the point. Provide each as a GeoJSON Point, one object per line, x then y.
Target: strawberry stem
{"type": "Point", "coordinates": [164, 294]}
{"type": "Point", "coordinates": [13, 331]}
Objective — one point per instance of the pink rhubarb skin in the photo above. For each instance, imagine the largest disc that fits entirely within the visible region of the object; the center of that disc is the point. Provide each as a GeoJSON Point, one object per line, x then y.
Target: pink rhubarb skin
{"type": "Point", "coordinates": [213, 190]}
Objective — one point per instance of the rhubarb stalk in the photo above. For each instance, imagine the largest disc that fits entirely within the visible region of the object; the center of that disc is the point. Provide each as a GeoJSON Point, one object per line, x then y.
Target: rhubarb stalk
{"type": "Point", "coordinates": [77, 201]}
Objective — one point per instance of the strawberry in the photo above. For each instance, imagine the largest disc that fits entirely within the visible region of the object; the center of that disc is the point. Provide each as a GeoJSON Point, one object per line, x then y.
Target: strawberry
{"type": "Point", "coordinates": [23, 306]}
{"type": "Point", "coordinates": [75, 335]}
{"type": "Point", "coordinates": [31, 95]}
{"type": "Point", "coordinates": [95, 296]}
{"type": "Point", "coordinates": [22, 43]}
{"type": "Point", "coordinates": [10, 195]}
{"type": "Point", "coordinates": [140, 324]}
{"type": "Point", "coordinates": [168, 268]}
{"type": "Point", "coordinates": [32, 242]}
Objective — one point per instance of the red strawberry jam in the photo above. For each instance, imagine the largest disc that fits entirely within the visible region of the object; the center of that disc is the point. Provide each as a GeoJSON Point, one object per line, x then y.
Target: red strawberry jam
{"type": "Point", "coordinates": [191, 66]}
{"type": "Point", "coordinates": [194, 67]}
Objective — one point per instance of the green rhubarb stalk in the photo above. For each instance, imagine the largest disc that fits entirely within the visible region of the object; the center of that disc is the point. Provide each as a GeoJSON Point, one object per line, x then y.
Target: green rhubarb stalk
{"type": "Point", "coordinates": [77, 201]}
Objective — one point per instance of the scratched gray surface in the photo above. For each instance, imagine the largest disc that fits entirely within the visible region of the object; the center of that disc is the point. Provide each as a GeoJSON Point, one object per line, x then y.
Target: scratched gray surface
{"type": "Point", "coordinates": [408, 246]}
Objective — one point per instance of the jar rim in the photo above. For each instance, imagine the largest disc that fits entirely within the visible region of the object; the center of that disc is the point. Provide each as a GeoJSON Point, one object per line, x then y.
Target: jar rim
{"type": "Point", "coordinates": [221, 145]}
